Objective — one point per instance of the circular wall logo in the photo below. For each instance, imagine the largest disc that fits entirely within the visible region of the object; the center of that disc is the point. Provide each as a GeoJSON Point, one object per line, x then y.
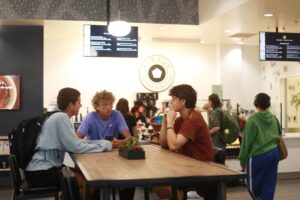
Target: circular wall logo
{"type": "Point", "coordinates": [157, 73]}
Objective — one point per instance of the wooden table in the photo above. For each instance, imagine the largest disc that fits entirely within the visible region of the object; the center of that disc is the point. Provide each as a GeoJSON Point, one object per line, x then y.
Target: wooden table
{"type": "Point", "coordinates": [161, 167]}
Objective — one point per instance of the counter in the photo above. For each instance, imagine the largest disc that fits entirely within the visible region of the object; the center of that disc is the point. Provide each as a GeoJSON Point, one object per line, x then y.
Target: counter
{"type": "Point", "coordinates": [291, 164]}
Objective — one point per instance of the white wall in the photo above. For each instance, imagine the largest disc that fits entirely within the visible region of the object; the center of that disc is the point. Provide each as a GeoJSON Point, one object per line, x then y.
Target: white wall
{"type": "Point", "coordinates": [273, 76]}
{"type": "Point", "coordinates": [64, 65]}
{"type": "Point", "coordinates": [240, 74]}
{"type": "Point", "coordinates": [200, 65]}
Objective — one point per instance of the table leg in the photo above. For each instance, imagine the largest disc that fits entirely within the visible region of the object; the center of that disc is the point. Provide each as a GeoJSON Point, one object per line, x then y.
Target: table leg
{"type": "Point", "coordinates": [106, 193]}
{"type": "Point", "coordinates": [146, 193]}
{"type": "Point", "coordinates": [174, 193]}
{"type": "Point", "coordinates": [85, 191]}
{"type": "Point", "coordinates": [221, 190]}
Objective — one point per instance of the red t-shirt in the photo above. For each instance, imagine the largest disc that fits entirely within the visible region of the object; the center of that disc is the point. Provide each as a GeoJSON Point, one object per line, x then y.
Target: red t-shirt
{"type": "Point", "coordinates": [199, 145]}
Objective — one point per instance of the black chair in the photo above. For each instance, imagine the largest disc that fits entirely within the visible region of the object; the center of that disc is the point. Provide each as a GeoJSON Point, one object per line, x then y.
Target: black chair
{"type": "Point", "coordinates": [220, 155]}
{"type": "Point", "coordinates": [21, 189]}
{"type": "Point", "coordinates": [69, 184]}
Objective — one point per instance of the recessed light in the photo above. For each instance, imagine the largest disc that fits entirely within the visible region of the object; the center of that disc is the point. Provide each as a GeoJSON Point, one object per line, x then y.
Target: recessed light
{"type": "Point", "coordinates": [227, 31]}
{"type": "Point", "coordinates": [268, 15]}
{"type": "Point", "coordinates": [162, 28]}
{"type": "Point", "coordinates": [201, 41]}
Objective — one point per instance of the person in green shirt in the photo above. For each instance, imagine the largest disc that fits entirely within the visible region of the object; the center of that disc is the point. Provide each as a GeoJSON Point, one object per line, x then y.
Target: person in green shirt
{"type": "Point", "coordinates": [215, 118]}
{"type": "Point", "coordinates": [259, 155]}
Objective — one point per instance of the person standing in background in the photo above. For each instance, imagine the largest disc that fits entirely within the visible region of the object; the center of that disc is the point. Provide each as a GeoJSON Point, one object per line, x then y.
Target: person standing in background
{"type": "Point", "coordinates": [104, 122]}
{"type": "Point", "coordinates": [123, 107]}
{"type": "Point", "coordinates": [259, 155]}
{"type": "Point", "coordinates": [215, 118]}
{"type": "Point", "coordinates": [137, 110]}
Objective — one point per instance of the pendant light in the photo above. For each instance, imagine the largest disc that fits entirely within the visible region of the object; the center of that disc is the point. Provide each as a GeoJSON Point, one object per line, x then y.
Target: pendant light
{"type": "Point", "coordinates": [117, 28]}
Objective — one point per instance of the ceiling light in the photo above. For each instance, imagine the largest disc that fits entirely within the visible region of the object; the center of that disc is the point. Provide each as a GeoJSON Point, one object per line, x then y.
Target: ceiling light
{"type": "Point", "coordinates": [227, 31]}
{"type": "Point", "coordinates": [119, 28]}
{"type": "Point", "coordinates": [268, 15]}
{"type": "Point", "coordinates": [162, 28]}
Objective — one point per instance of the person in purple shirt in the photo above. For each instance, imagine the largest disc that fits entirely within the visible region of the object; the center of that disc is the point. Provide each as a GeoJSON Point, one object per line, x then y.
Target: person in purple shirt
{"type": "Point", "coordinates": [104, 122]}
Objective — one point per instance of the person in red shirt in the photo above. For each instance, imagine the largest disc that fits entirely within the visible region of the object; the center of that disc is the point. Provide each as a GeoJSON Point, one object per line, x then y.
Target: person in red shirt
{"type": "Point", "coordinates": [187, 134]}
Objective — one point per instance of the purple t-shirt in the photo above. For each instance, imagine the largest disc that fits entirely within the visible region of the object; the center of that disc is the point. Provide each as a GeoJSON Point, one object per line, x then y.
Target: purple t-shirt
{"type": "Point", "coordinates": [95, 128]}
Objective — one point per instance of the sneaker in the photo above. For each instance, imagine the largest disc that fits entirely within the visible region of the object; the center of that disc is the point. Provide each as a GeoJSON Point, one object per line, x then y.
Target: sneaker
{"type": "Point", "coordinates": [192, 194]}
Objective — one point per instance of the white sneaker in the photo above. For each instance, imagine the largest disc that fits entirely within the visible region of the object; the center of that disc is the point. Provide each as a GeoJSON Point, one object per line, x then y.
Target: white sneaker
{"type": "Point", "coordinates": [192, 194]}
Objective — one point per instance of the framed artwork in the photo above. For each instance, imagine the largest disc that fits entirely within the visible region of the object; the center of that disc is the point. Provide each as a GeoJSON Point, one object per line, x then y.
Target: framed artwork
{"type": "Point", "coordinates": [9, 92]}
{"type": "Point", "coordinates": [293, 104]}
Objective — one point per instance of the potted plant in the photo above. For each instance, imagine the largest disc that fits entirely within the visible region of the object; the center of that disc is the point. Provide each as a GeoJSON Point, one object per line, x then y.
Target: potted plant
{"type": "Point", "coordinates": [132, 149]}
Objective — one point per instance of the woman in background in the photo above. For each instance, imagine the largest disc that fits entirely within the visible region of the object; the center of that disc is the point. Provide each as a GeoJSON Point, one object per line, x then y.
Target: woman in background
{"type": "Point", "coordinates": [215, 117]}
{"type": "Point", "coordinates": [259, 155]}
{"type": "Point", "coordinates": [137, 111]}
{"type": "Point", "coordinates": [123, 107]}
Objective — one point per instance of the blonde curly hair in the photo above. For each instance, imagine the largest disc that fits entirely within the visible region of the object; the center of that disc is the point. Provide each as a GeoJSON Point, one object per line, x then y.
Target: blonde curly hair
{"type": "Point", "coordinates": [103, 96]}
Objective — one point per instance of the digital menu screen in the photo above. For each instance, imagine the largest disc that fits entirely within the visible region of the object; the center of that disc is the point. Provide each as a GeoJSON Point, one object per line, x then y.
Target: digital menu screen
{"type": "Point", "coordinates": [279, 46]}
{"type": "Point", "coordinates": [99, 43]}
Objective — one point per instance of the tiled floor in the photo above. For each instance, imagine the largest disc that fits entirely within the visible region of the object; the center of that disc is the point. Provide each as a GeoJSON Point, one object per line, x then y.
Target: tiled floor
{"type": "Point", "coordinates": [286, 190]}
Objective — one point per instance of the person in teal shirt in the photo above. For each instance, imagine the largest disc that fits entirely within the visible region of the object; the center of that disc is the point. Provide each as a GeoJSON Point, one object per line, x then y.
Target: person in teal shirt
{"type": "Point", "coordinates": [56, 138]}
{"type": "Point", "coordinates": [259, 155]}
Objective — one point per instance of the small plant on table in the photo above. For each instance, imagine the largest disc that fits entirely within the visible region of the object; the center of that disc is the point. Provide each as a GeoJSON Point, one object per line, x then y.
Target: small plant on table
{"type": "Point", "coordinates": [132, 149]}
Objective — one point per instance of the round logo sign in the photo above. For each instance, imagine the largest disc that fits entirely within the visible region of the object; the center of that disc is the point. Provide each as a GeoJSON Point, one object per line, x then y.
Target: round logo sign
{"type": "Point", "coordinates": [157, 73]}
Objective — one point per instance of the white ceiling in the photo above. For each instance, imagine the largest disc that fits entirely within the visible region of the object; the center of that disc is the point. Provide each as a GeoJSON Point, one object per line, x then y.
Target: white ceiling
{"type": "Point", "coordinates": [242, 17]}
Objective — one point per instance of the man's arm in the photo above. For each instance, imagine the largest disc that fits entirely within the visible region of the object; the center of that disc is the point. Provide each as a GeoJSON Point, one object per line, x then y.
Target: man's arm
{"type": "Point", "coordinates": [214, 130]}
{"type": "Point", "coordinates": [79, 134]}
{"type": "Point", "coordinates": [175, 141]}
{"type": "Point", "coordinates": [163, 134]}
{"type": "Point", "coordinates": [118, 143]}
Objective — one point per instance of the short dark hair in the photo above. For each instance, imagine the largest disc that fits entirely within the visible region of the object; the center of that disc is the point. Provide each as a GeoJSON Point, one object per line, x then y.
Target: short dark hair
{"type": "Point", "coordinates": [137, 105]}
{"type": "Point", "coordinates": [66, 96]}
{"type": "Point", "coordinates": [185, 92]}
{"type": "Point", "coordinates": [262, 100]}
{"type": "Point", "coordinates": [215, 100]}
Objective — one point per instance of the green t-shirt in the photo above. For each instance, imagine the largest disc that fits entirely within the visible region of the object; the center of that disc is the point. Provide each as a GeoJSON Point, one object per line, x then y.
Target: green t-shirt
{"type": "Point", "coordinates": [215, 121]}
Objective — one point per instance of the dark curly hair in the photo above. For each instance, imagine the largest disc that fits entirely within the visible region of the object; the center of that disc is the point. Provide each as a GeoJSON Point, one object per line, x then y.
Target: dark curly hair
{"type": "Point", "coordinates": [185, 92]}
{"type": "Point", "coordinates": [262, 100]}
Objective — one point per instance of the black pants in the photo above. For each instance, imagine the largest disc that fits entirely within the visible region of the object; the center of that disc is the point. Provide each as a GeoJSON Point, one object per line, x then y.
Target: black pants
{"type": "Point", "coordinates": [208, 192]}
{"type": "Point", "coordinates": [124, 194]}
{"type": "Point", "coordinates": [43, 178]}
